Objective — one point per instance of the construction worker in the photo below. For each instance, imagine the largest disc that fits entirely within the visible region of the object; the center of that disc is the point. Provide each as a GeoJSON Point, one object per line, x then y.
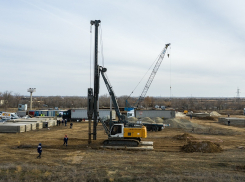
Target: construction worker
{"type": "Point", "coordinates": [39, 150]}
{"type": "Point", "coordinates": [65, 140]}
{"type": "Point", "coordinates": [71, 124]}
{"type": "Point", "coordinates": [65, 122]}
{"type": "Point", "coordinates": [229, 122]}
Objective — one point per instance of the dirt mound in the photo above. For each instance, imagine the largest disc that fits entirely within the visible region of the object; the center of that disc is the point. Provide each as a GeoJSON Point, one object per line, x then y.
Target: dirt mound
{"type": "Point", "coordinates": [204, 146]}
{"type": "Point", "coordinates": [157, 120]}
{"type": "Point", "coordinates": [185, 136]}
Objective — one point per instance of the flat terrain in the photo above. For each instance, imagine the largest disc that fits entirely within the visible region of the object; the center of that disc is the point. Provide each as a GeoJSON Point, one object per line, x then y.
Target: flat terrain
{"type": "Point", "coordinates": [82, 162]}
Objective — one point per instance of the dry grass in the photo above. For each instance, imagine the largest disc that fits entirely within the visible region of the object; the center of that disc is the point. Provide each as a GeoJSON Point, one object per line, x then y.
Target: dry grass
{"type": "Point", "coordinates": [80, 162]}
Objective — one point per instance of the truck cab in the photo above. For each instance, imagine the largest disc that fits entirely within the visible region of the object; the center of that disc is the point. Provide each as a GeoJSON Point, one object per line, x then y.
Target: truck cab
{"type": "Point", "coordinates": [130, 113]}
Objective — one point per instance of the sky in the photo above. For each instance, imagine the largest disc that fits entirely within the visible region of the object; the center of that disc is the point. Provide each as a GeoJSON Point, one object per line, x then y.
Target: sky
{"type": "Point", "coordinates": [47, 45]}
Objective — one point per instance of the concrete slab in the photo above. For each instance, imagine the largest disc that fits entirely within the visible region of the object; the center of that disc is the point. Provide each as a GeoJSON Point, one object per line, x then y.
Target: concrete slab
{"type": "Point", "coordinates": [128, 148]}
{"type": "Point", "coordinates": [27, 126]}
{"type": "Point", "coordinates": [233, 121]}
{"type": "Point", "coordinates": [28, 120]}
{"type": "Point", "coordinates": [9, 128]}
{"type": "Point", "coordinates": [146, 143]}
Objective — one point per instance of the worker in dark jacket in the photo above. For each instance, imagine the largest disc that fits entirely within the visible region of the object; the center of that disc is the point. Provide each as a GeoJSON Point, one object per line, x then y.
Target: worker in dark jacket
{"type": "Point", "coordinates": [71, 124]}
{"type": "Point", "coordinates": [39, 150]}
{"type": "Point", "coordinates": [65, 140]}
{"type": "Point", "coordinates": [65, 122]}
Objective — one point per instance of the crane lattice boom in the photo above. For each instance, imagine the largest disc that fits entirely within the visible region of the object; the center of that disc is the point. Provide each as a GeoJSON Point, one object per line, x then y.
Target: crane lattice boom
{"type": "Point", "coordinates": [153, 73]}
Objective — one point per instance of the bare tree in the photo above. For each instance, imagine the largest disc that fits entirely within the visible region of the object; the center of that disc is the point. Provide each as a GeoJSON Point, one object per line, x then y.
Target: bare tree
{"type": "Point", "coordinates": [17, 98]}
{"type": "Point", "coordinates": [8, 98]}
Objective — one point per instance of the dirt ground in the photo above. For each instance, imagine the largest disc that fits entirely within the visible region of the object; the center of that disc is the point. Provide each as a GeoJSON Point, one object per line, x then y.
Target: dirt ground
{"type": "Point", "coordinates": [82, 162]}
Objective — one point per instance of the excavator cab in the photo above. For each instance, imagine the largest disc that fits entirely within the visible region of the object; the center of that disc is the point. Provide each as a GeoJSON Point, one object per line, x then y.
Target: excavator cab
{"type": "Point", "coordinates": [117, 130]}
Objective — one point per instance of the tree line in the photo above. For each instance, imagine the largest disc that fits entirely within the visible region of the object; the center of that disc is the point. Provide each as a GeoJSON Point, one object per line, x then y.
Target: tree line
{"type": "Point", "coordinates": [11, 100]}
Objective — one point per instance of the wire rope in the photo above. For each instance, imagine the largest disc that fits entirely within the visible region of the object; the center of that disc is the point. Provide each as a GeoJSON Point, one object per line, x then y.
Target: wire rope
{"type": "Point", "coordinates": [101, 45]}
{"type": "Point", "coordinates": [144, 75]}
{"type": "Point", "coordinates": [170, 74]}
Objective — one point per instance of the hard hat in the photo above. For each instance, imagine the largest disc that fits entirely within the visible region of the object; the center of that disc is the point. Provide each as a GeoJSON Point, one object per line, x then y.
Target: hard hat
{"type": "Point", "coordinates": [40, 144]}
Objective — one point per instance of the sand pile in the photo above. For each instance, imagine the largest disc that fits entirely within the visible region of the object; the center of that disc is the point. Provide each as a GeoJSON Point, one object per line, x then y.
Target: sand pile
{"type": "Point", "coordinates": [179, 114]}
{"type": "Point", "coordinates": [185, 136]}
{"type": "Point", "coordinates": [214, 113]}
{"type": "Point", "coordinates": [132, 120]}
{"type": "Point", "coordinates": [147, 120]}
{"type": "Point", "coordinates": [204, 146]}
{"type": "Point", "coordinates": [158, 120]}
{"type": "Point", "coordinates": [182, 123]}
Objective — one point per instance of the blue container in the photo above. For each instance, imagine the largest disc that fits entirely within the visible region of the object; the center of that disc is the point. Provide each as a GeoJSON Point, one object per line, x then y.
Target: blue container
{"type": "Point", "coordinates": [45, 113]}
{"type": "Point", "coordinates": [36, 113]}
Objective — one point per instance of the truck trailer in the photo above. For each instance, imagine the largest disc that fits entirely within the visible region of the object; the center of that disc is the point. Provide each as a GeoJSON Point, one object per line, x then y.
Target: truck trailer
{"type": "Point", "coordinates": [81, 114]}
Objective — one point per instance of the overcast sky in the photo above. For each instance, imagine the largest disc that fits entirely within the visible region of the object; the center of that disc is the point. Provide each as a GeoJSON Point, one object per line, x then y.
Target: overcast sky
{"type": "Point", "coordinates": [45, 44]}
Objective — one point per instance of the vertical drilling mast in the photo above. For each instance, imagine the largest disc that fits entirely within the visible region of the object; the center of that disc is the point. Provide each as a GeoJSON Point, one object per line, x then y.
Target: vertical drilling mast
{"type": "Point", "coordinates": [96, 23]}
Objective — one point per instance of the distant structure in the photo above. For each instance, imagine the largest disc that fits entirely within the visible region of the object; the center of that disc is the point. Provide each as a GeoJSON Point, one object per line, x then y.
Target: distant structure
{"type": "Point", "coordinates": [238, 93]}
{"type": "Point", "coordinates": [22, 107]}
{"type": "Point", "coordinates": [31, 90]}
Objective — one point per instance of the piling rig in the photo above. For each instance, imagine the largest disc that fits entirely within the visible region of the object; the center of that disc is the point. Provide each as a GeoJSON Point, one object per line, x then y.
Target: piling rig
{"type": "Point", "coordinates": [120, 132]}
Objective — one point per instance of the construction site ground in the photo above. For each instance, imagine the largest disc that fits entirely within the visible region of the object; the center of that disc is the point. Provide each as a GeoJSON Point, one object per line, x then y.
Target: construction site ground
{"type": "Point", "coordinates": [82, 162]}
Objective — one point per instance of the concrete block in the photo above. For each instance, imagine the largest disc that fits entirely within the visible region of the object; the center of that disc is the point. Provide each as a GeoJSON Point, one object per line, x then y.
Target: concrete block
{"type": "Point", "coordinates": [54, 122]}
{"type": "Point", "coordinates": [39, 125]}
{"type": "Point", "coordinates": [47, 123]}
{"type": "Point", "coordinates": [32, 124]}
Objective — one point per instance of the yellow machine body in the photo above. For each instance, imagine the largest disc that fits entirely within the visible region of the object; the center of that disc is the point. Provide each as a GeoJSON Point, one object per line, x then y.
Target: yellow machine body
{"type": "Point", "coordinates": [135, 132]}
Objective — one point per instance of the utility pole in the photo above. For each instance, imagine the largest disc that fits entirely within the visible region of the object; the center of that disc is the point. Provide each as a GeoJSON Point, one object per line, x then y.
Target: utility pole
{"type": "Point", "coordinates": [96, 23]}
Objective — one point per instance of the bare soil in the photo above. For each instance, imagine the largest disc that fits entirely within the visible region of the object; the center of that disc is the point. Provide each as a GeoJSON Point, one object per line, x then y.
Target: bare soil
{"type": "Point", "coordinates": [82, 162]}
